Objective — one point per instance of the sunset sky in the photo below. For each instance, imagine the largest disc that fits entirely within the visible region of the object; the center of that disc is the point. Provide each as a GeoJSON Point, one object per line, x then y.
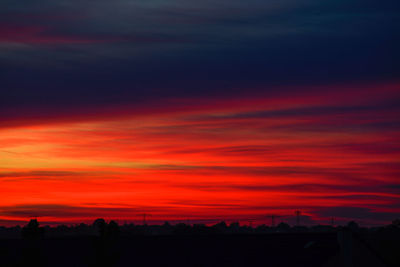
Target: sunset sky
{"type": "Point", "coordinates": [200, 111]}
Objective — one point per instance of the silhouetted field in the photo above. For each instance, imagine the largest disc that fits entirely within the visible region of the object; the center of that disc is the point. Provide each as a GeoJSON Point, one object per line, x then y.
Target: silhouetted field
{"type": "Point", "coordinates": [173, 250]}
{"type": "Point", "coordinates": [103, 244]}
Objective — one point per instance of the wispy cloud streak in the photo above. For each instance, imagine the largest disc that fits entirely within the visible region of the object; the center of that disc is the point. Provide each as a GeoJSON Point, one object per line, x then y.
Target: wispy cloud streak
{"type": "Point", "coordinates": [221, 162]}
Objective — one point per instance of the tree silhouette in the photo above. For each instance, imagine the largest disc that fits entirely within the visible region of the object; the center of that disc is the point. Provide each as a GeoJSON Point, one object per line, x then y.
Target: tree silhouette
{"type": "Point", "coordinates": [283, 227]}
{"type": "Point", "coordinates": [353, 226]}
{"type": "Point", "coordinates": [100, 225]}
{"type": "Point", "coordinates": [220, 227]}
{"type": "Point", "coordinates": [32, 230]}
{"type": "Point", "coordinates": [112, 230]}
{"type": "Point", "coordinates": [106, 248]}
{"type": "Point", "coordinates": [31, 254]}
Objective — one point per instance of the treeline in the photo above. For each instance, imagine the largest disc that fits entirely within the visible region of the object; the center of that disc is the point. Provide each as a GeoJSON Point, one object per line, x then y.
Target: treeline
{"type": "Point", "coordinates": [111, 229]}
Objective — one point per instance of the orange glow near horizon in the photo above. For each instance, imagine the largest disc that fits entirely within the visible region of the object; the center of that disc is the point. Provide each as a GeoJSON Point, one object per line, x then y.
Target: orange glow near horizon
{"type": "Point", "coordinates": [232, 160]}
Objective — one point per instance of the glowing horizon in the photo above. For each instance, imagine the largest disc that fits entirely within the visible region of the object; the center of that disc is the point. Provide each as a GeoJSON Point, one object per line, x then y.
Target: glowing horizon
{"type": "Point", "coordinates": [237, 160]}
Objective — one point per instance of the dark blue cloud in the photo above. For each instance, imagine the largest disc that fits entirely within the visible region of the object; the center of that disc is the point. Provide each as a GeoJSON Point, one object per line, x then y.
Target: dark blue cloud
{"type": "Point", "coordinates": [140, 51]}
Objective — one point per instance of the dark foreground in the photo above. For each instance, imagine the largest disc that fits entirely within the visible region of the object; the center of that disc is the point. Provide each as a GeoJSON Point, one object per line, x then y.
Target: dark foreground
{"type": "Point", "coordinates": [277, 249]}
{"type": "Point", "coordinates": [108, 244]}
{"type": "Point", "coordinates": [215, 250]}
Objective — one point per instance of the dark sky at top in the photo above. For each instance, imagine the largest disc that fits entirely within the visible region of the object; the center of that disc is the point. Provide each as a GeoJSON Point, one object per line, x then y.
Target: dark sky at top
{"type": "Point", "coordinates": [59, 56]}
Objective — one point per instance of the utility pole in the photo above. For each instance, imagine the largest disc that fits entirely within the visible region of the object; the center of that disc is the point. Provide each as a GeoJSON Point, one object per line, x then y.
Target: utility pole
{"type": "Point", "coordinates": [251, 222]}
{"type": "Point", "coordinates": [298, 213]}
{"type": "Point", "coordinates": [333, 221]}
{"type": "Point", "coordinates": [272, 216]}
{"type": "Point", "coordinates": [144, 218]}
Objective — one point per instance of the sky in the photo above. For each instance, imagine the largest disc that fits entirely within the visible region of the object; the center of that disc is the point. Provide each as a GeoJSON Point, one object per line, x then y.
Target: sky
{"type": "Point", "coordinates": [200, 111]}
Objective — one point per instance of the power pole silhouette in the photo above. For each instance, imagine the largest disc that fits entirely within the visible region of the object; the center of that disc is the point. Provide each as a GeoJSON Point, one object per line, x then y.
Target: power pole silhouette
{"type": "Point", "coordinates": [251, 222]}
{"type": "Point", "coordinates": [273, 220]}
{"type": "Point", "coordinates": [144, 218]}
{"type": "Point", "coordinates": [298, 213]}
{"type": "Point", "coordinates": [188, 220]}
{"type": "Point", "coordinates": [333, 221]}
{"type": "Point", "coordinates": [273, 217]}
